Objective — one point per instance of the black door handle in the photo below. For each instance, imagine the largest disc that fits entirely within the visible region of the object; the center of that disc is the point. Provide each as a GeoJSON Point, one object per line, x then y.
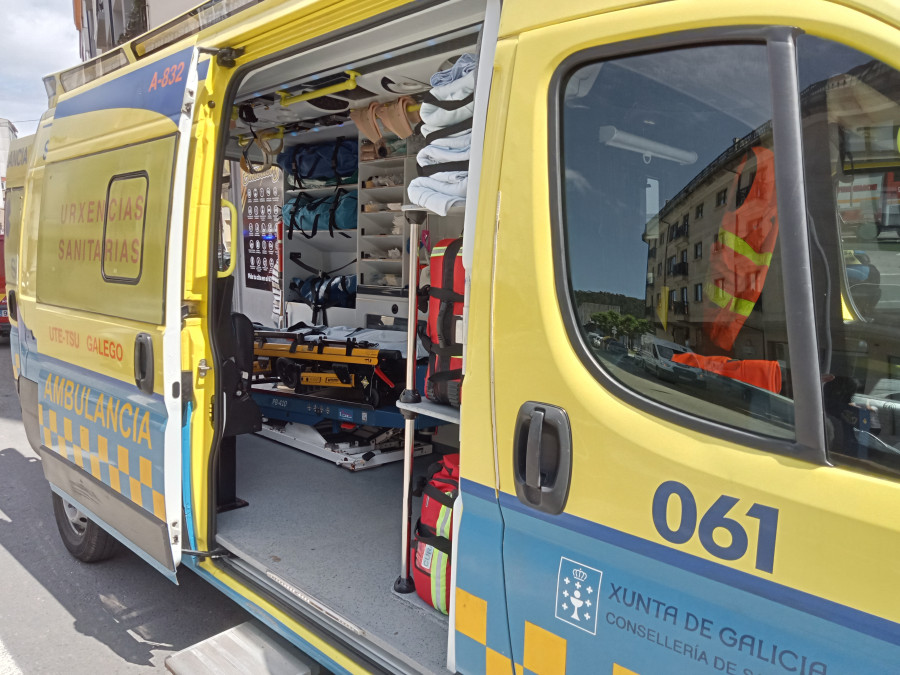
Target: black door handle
{"type": "Point", "coordinates": [143, 362]}
{"type": "Point", "coordinates": [542, 457]}
{"type": "Point", "coordinates": [12, 306]}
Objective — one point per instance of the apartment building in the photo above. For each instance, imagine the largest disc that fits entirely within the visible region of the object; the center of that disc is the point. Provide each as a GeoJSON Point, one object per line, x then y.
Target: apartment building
{"type": "Point", "coordinates": [104, 24]}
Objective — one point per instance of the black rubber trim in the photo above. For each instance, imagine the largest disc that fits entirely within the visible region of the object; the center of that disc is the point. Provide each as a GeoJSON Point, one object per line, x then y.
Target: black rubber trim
{"type": "Point", "coordinates": [803, 348]}
{"type": "Point", "coordinates": [143, 529]}
{"type": "Point", "coordinates": [564, 291]}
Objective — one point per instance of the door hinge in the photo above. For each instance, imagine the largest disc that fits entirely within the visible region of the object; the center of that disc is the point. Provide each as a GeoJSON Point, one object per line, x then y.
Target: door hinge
{"type": "Point", "coordinates": [225, 57]}
{"type": "Point", "coordinates": [215, 553]}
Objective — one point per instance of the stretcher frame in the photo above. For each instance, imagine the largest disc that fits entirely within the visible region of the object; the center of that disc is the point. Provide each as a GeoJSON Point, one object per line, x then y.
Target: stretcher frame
{"type": "Point", "coordinates": [288, 358]}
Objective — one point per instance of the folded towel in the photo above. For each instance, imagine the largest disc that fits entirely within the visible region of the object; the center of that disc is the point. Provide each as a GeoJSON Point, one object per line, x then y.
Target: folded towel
{"type": "Point", "coordinates": [452, 183]}
{"type": "Point", "coordinates": [464, 65]}
{"type": "Point", "coordinates": [422, 193]}
{"type": "Point", "coordinates": [438, 154]}
{"type": "Point", "coordinates": [434, 115]}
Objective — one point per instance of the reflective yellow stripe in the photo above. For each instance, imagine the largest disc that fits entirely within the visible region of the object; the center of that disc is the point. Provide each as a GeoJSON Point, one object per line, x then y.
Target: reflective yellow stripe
{"type": "Point", "coordinates": [439, 564]}
{"type": "Point", "coordinates": [443, 522]}
{"type": "Point", "coordinates": [439, 560]}
{"type": "Point", "coordinates": [738, 245]}
{"type": "Point", "coordinates": [726, 300]}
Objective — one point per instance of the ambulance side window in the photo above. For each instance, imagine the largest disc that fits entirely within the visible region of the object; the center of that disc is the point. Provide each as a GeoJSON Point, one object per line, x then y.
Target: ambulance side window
{"type": "Point", "coordinates": [850, 110]}
{"type": "Point", "coordinates": [653, 137]}
{"type": "Point", "coordinates": [124, 227]}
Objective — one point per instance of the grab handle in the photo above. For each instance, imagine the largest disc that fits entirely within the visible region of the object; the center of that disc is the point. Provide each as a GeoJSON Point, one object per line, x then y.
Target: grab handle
{"type": "Point", "coordinates": [232, 249]}
{"type": "Point", "coordinates": [143, 362]}
{"type": "Point", "coordinates": [542, 457]}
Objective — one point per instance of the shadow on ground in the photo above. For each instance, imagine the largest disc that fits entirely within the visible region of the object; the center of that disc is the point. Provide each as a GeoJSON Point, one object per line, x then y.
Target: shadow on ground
{"type": "Point", "coordinates": [123, 602]}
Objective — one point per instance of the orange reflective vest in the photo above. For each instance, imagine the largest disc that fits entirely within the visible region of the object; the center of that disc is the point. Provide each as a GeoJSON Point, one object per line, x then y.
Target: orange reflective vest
{"type": "Point", "coordinates": [759, 373]}
{"type": "Point", "coordinates": [740, 261]}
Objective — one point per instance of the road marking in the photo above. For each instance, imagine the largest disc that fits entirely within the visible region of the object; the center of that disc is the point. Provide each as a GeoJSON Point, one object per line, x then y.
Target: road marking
{"type": "Point", "coordinates": [7, 665]}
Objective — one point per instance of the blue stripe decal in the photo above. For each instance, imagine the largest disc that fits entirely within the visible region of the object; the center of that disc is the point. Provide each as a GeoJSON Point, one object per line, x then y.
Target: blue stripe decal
{"type": "Point", "coordinates": [854, 619]}
{"type": "Point", "coordinates": [186, 475]}
{"type": "Point", "coordinates": [477, 490]}
{"type": "Point", "coordinates": [157, 87]}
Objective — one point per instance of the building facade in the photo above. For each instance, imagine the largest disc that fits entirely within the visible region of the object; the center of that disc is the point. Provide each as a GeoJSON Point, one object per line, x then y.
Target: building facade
{"type": "Point", "coordinates": [105, 24]}
{"type": "Point", "coordinates": [8, 133]}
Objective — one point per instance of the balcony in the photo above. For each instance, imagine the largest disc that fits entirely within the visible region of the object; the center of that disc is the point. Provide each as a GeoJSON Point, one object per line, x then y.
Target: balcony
{"type": "Point", "coordinates": [679, 269]}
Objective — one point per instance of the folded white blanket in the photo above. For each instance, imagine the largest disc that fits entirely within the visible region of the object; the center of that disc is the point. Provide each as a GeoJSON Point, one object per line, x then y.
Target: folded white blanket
{"type": "Point", "coordinates": [462, 139]}
{"type": "Point", "coordinates": [464, 65]}
{"type": "Point", "coordinates": [437, 195]}
{"type": "Point", "coordinates": [427, 129]}
{"type": "Point", "coordinates": [453, 183]}
{"type": "Point", "coordinates": [456, 90]}
{"type": "Point", "coordinates": [438, 154]}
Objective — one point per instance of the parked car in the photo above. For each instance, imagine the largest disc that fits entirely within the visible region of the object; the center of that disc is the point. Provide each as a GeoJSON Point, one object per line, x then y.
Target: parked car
{"type": "Point", "coordinates": [656, 358]}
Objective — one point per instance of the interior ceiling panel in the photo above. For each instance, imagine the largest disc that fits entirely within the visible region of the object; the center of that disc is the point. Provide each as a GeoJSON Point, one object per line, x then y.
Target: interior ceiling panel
{"type": "Point", "coordinates": [378, 48]}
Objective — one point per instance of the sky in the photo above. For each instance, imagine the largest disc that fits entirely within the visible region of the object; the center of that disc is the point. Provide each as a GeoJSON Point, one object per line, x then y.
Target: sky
{"type": "Point", "coordinates": [37, 37]}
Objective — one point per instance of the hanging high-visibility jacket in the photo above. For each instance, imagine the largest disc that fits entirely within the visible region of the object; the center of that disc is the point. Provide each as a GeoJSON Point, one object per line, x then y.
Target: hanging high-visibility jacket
{"type": "Point", "coordinates": [740, 261]}
{"type": "Point", "coordinates": [758, 372]}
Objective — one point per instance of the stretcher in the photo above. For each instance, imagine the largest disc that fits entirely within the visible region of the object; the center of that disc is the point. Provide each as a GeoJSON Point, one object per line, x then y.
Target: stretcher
{"type": "Point", "coordinates": [310, 360]}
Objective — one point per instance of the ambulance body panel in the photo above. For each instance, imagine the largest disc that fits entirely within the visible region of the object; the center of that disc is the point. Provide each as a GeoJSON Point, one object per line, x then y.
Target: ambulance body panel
{"type": "Point", "coordinates": [684, 166]}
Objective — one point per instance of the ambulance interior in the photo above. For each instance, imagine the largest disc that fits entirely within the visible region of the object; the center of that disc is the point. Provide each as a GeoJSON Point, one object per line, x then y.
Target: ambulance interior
{"type": "Point", "coordinates": [325, 541]}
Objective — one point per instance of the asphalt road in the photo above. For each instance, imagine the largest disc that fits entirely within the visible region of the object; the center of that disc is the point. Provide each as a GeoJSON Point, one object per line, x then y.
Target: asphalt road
{"type": "Point", "coordinates": [58, 615]}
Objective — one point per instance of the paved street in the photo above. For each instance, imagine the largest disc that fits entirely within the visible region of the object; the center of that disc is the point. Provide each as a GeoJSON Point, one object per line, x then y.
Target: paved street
{"type": "Point", "coordinates": [58, 615]}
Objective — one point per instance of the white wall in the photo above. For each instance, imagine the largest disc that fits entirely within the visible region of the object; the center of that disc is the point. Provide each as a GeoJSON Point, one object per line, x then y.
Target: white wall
{"type": "Point", "coordinates": [160, 11]}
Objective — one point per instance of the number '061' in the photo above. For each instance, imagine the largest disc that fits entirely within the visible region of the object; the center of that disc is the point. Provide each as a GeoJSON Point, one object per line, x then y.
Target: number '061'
{"type": "Point", "coordinates": [716, 518]}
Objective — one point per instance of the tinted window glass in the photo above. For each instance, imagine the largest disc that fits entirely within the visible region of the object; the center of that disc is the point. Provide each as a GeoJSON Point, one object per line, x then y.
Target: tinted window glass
{"type": "Point", "coordinates": [646, 140]}
{"type": "Point", "coordinates": [123, 236]}
{"type": "Point", "coordinates": [850, 104]}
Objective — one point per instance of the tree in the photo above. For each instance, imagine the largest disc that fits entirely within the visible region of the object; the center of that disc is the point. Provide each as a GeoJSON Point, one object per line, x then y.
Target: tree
{"type": "Point", "coordinates": [607, 321]}
{"type": "Point", "coordinates": [628, 328]}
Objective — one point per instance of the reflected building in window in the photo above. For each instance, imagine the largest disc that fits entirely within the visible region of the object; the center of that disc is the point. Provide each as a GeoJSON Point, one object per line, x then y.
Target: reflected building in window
{"type": "Point", "coordinates": [688, 234]}
{"type": "Point", "coordinates": [105, 24]}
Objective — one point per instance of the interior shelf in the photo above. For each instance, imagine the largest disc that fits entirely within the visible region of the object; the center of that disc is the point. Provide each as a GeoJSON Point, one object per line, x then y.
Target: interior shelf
{"type": "Point", "coordinates": [387, 239]}
{"type": "Point", "coordinates": [383, 212]}
{"type": "Point", "coordinates": [323, 242]}
{"type": "Point", "coordinates": [432, 409]}
{"type": "Point", "coordinates": [392, 261]}
{"type": "Point", "coordinates": [392, 161]}
{"type": "Point", "coordinates": [382, 191]}
{"type": "Point", "coordinates": [321, 190]}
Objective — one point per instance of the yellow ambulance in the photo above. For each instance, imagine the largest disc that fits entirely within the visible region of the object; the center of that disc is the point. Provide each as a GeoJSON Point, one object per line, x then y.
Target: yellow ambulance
{"type": "Point", "coordinates": [720, 176]}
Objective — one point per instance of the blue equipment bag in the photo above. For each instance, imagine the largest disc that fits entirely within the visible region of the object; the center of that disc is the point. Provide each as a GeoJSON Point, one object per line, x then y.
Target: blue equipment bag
{"type": "Point", "coordinates": [321, 164]}
{"type": "Point", "coordinates": [307, 214]}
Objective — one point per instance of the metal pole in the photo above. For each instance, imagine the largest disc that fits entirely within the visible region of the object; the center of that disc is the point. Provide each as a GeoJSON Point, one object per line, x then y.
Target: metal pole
{"type": "Point", "coordinates": [404, 583]}
{"type": "Point", "coordinates": [412, 312]}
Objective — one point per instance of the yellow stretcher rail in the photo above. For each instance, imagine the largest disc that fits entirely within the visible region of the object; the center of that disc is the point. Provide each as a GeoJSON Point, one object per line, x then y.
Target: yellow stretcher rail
{"type": "Point", "coordinates": [314, 352]}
